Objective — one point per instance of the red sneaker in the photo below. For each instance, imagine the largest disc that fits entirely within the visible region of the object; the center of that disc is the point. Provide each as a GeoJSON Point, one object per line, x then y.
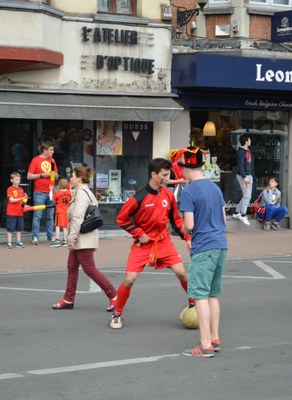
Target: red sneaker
{"type": "Point", "coordinates": [200, 351]}
{"type": "Point", "coordinates": [216, 343]}
{"type": "Point", "coordinates": [112, 304]}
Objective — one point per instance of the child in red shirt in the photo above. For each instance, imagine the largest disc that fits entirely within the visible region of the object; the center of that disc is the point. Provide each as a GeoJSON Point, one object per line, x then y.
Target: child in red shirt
{"type": "Point", "coordinates": [14, 211]}
{"type": "Point", "coordinates": [62, 198]}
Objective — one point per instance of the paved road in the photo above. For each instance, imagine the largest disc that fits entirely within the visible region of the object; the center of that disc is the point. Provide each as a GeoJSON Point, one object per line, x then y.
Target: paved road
{"type": "Point", "coordinates": [72, 354]}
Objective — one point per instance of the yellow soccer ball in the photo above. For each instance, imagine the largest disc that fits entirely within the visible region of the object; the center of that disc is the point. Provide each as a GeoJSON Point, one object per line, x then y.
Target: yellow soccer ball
{"type": "Point", "coordinates": [190, 318]}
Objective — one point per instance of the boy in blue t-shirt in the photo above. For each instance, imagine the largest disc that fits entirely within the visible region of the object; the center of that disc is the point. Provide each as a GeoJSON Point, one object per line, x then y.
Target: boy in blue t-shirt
{"type": "Point", "coordinates": [202, 204]}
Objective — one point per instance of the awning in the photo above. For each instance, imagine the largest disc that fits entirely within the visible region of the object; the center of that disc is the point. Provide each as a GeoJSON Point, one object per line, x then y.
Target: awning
{"type": "Point", "coordinates": [29, 105]}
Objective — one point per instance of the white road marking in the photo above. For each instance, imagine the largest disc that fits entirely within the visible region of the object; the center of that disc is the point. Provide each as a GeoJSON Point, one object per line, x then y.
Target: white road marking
{"type": "Point", "coordinates": [269, 270]}
{"type": "Point", "coordinates": [106, 364]}
{"type": "Point", "coordinates": [129, 361]}
{"type": "Point", "coordinates": [93, 287]}
{"type": "Point", "coordinates": [11, 376]}
{"type": "Point", "coordinates": [45, 290]}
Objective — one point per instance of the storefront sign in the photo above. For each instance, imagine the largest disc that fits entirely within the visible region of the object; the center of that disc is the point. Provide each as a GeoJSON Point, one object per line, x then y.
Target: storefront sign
{"type": "Point", "coordinates": [212, 71]}
{"type": "Point", "coordinates": [116, 62]}
{"type": "Point", "coordinates": [236, 101]}
{"type": "Point", "coordinates": [282, 27]}
{"type": "Point", "coordinates": [137, 138]}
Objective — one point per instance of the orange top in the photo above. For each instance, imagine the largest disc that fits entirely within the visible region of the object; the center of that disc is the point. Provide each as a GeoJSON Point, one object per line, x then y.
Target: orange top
{"type": "Point", "coordinates": [14, 209]}
{"type": "Point", "coordinates": [62, 198]}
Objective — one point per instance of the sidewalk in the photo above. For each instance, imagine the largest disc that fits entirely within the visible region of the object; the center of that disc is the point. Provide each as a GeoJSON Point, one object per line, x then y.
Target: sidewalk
{"type": "Point", "coordinates": [113, 251]}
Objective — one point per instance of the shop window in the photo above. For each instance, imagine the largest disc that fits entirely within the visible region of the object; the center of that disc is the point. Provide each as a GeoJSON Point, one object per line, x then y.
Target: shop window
{"type": "Point", "coordinates": [272, 2]}
{"type": "Point", "coordinates": [15, 155]}
{"type": "Point", "coordinates": [219, 1]}
{"type": "Point", "coordinates": [117, 6]}
{"type": "Point", "coordinates": [269, 134]}
{"type": "Point", "coordinates": [122, 149]}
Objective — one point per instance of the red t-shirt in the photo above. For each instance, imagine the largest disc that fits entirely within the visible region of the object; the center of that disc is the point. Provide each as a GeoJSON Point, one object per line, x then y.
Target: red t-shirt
{"type": "Point", "coordinates": [62, 198]}
{"type": "Point", "coordinates": [40, 165]}
{"type": "Point", "coordinates": [14, 209]}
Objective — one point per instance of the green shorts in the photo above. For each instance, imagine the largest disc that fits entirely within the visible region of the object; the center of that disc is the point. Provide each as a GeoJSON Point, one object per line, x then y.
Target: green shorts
{"type": "Point", "coordinates": [205, 274]}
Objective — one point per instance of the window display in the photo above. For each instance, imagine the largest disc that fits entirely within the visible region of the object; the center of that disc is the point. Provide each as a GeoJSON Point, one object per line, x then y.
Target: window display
{"type": "Point", "coordinates": [123, 151]}
{"type": "Point", "coordinates": [268, 131]}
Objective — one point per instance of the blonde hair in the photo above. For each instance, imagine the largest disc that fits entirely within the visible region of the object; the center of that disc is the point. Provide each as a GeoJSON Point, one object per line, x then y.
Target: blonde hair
{"type": "Point", "coordinates": [15, 175]}
{"type": "Point", "coordinates": [63, 183]}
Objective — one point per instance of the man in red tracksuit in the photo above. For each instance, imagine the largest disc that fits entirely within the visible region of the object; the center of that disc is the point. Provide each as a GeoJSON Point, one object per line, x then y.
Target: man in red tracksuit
{"type": "Point", "coordinates": [146, 216]}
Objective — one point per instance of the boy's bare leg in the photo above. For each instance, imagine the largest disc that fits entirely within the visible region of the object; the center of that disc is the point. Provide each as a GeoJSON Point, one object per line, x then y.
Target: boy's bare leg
{"type": "Point", "coordinates": [215, 316]}
{"type": "Point", "coordinates": [65, 234]}
{"type": "Point", "coordinates": [57, 233]}
{"type": "Point", "coordinates": [204, 316]}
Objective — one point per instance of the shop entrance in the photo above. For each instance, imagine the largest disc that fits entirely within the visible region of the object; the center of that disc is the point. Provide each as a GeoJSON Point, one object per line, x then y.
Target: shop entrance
{"type": "Point", "coordinates": [268, 131]}
{"type": "Point", "coordinates": [15, 155]}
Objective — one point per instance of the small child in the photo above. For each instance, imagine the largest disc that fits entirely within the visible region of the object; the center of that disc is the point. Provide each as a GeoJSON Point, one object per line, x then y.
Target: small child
{"type": "Point", "coordinates": [62, 198]}
{"type": "Point", "coordinates": [14, 211]}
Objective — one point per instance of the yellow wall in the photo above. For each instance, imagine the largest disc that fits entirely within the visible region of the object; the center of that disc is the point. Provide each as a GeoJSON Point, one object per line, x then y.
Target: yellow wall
{"type": "Point", "coordinates": [150, 8]}
{"type": "Point", "coordinates": [76, 6]}
{"type": "Point", "coordinates": [145, 8]}
{"type": "Point", "coordinates": [161, 139]}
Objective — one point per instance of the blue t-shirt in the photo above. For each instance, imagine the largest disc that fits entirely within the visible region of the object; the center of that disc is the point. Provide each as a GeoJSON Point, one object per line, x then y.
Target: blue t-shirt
{"type": "Point", "coordinates": [205, 200]}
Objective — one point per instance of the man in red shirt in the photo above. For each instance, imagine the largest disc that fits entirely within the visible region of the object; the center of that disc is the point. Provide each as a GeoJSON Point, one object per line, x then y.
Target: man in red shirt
{"type": "Point", "coordinates": [146, 216]}
{"type": "Point", "coordinates": [39, 172]}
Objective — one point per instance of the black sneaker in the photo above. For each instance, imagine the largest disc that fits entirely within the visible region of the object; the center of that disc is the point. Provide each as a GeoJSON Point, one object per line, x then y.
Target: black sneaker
{"type": "Point", "coordinates": [55, 243]}
{"type": "Point", "coordinates": [9, 245]}
{"type": "Point", "coordinates": [19, 245]}
{"type": "Point", "coordinates": [275, 226]}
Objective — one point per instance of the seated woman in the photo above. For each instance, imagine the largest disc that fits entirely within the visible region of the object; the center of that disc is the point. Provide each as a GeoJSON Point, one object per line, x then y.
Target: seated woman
{"type": "Point", "coordinates": [271, 200]}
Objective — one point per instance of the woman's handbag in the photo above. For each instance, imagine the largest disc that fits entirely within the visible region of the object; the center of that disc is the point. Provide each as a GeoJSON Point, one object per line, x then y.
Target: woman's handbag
{"type": "Point", "coordinates": [259, 211]}
{"type": "Point", "coordinates": [92, 219]}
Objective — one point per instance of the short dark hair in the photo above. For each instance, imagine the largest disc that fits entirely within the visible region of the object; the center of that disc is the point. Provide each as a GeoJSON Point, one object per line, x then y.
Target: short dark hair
{"type": "Point", "coordinates": [243, 139]}
{"type": "Point", "coordinates": [45, 146]}
{"type": "Point", "coordinates": [157, 164]}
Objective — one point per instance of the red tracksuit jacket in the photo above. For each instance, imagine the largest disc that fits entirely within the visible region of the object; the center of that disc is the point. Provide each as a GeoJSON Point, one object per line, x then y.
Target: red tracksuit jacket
{"type": "Point", "coordinates": [150, 211]}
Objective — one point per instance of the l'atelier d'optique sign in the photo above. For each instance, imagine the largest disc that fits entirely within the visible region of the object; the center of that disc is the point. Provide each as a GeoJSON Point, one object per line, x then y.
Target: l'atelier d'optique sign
{"type": "Point", "coordinates": [117, 36]}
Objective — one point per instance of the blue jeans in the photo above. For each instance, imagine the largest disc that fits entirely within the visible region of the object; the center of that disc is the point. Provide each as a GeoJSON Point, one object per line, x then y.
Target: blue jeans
{"type": "Point", "coordinates": [43, 198]}
{"type": "Point", "coordinates": [277, 213]}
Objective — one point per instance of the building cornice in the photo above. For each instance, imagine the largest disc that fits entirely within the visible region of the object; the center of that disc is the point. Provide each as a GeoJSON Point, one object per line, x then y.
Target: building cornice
{"type": "Point", "coordinates": [36, 7]}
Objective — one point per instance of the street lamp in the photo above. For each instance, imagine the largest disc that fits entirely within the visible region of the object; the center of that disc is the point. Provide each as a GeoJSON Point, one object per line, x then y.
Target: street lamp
{"type": "Point", "coordinates": [184, 16]}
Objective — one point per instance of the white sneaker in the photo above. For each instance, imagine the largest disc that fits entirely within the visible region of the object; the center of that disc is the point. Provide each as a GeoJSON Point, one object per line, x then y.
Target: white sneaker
{"type": "Point", "coordinates": [35, 240]}
{"type": "Point", "coordinates": [116, 321]}
{"type": "Point", "coordinates": [244, 220]}
{"type": "Point", "coordinates": [236, 216]}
